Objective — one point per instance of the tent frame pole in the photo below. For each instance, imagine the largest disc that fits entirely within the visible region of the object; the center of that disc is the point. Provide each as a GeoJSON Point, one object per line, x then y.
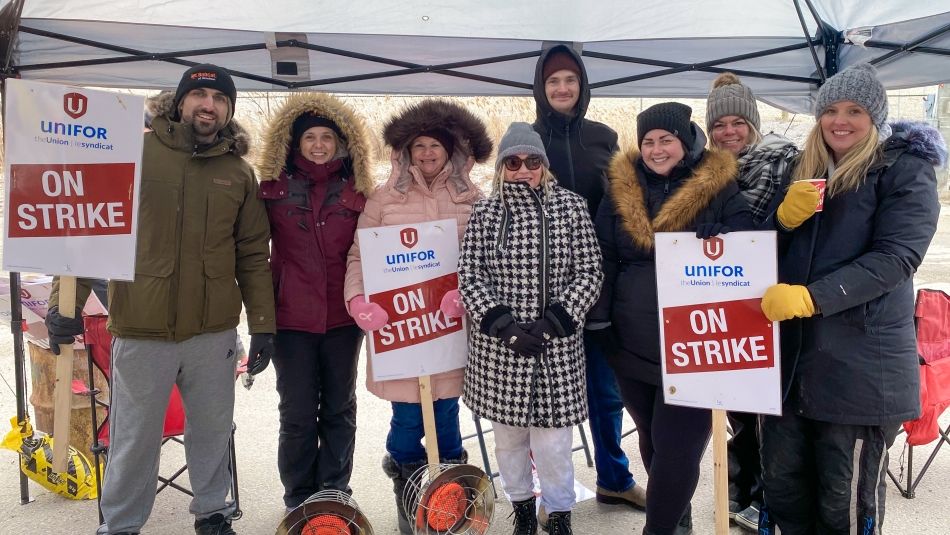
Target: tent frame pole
{"type": "Point", "coordinates": [912, 46]}
{"type": "Point", "coordinates": [811, 46]}
{"type": "Point", "coordinates": [684, 67]}
{"type": "Point", "coordinates": [16, 307]}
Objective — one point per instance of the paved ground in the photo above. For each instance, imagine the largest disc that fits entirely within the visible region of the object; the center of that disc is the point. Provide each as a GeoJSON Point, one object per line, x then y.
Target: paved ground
{"type": "Point", "coordinates": [256, 418]}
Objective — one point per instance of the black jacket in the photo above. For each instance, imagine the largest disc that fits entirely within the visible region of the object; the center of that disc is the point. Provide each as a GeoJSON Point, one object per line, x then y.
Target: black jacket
{"type": "Point", "coordinates": [855, 362]}
{"type": "Point", "coordinates": [638, 204]}
{"type": "Point", "coordinates": [579, 149]}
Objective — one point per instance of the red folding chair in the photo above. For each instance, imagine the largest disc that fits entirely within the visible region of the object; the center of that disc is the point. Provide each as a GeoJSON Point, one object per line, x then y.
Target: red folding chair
{"type": "Point", "coordinates": [932, 317]}
{"type": "Point", "coordinates": [99, 350]}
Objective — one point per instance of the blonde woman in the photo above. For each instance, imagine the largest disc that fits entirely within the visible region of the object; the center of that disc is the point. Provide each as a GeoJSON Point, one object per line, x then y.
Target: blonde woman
{"type": "Point", "coordinates": [529, 270]}
{"type": "Point", "coordinates": [847, 306]}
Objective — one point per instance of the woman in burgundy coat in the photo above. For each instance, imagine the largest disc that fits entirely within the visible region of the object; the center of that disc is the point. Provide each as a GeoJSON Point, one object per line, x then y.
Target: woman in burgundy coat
{"type": "Point", "coordinates": [315, 175]}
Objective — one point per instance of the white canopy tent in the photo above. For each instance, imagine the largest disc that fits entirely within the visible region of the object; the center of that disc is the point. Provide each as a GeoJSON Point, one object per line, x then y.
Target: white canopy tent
{"type": "Point", "coordinates": [631, 48]}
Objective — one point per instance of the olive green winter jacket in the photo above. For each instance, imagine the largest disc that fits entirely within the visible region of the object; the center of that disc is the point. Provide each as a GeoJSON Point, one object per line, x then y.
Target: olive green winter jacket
{"type": "Point", "coordinates": [202, 244]}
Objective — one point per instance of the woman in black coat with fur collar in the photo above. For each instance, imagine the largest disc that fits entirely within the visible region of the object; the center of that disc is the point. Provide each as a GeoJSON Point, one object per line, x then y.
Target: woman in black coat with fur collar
{"type": "Point", "coordinates": [668, 183]}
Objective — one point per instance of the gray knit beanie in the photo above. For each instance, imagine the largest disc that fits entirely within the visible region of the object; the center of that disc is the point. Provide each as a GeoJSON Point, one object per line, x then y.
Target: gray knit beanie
{"type": "Point", "coordinates": [860, 85]}
{"type": "Point", "coordinates": [520, 139]}
{"type": "Point", "coordinates": [729, 96]}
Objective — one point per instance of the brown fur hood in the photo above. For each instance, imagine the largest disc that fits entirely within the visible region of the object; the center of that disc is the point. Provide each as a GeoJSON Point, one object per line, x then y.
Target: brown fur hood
{"type": "Point", "coordinates": [716, 170]}
{"type": "Point", "coordinates": [277, 136]}
{"type": "Point", "coordinates": [469, 131]}
{"type": "Point", "coordinates": [163, 105]}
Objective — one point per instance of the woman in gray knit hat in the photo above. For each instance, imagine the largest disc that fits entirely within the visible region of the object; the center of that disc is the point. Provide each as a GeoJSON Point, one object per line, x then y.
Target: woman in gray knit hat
{"type": "Point", "coordinates": [529, 270]}
{"type": "Point", "coordinates": [732, 118]}
{"type": "Point", "coordinates": [846, 302]}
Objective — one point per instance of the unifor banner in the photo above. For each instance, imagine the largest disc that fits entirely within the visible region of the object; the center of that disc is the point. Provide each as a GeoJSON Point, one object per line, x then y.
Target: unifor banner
{"type": "Point", "coordinates": [719, 351]}
{"type": "Point", "coordinates": [407, 269]}
{"type": "Point", "coordinates": [72, 168]}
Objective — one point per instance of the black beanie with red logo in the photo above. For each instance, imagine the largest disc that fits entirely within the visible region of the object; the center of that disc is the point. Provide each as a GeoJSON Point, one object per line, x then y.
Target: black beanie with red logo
{"type": "Point", "coordinates": [206, 75]}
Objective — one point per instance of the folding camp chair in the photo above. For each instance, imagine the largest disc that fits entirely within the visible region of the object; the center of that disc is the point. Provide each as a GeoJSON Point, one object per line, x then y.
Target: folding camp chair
{"type": "Point", "coordinates": [932, 318]}
{"type": "Point", "coordinates": [99, 349]}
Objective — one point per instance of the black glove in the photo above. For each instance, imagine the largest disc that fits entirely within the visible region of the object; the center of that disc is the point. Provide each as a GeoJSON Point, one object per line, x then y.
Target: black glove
{"type": "Point", "coordinates": [520, 341]}
{"type": "Point", "coordinates": [543, 329]}
{"type": "Point", "coordinates": [704, 231]}
{"type": "Point", "coordinates": [62, 330]}
{"type": "Point", "coordinates": [260, 352]}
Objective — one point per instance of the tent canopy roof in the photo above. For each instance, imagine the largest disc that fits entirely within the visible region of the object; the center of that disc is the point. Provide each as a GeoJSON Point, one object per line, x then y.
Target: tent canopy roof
{"type": "Point", "coordinates": [670, 49]}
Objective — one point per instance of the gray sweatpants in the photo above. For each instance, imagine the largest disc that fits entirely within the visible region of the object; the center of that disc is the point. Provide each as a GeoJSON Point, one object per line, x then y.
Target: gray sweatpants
{"type": "Point", "coordinates": [143, 372]}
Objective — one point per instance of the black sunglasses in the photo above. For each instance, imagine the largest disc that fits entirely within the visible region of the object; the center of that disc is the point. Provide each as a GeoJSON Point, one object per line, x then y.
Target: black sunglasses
{"type": "Point", "coordinates": [513, 163]}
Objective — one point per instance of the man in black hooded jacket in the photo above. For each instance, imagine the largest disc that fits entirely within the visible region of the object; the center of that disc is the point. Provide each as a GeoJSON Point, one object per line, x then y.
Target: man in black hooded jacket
{"type": "Point", "coordinates": [580, 151]}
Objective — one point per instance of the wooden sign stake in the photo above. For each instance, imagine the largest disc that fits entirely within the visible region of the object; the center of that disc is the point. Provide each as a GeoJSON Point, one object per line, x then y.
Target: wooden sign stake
{"type": "Point", "coordinates": [63, 392]}
{"type": "Point", "coordinates": [720, 472]}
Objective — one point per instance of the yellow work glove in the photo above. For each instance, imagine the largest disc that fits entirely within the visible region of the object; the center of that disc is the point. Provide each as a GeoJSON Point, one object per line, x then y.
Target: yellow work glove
{"type": "Point", "coordinates": [785, 301]}
{"type": "Point", "coordinates": [799, 204]}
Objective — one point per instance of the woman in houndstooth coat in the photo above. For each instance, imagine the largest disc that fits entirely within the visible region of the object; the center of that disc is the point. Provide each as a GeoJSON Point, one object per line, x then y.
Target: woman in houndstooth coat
{"type": "Point", "coordinates": [530, 268]}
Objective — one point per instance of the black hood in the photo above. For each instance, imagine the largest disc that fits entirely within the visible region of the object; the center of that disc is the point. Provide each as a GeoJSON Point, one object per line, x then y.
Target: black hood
{"type": "Point", "coordinates": [546, 113]}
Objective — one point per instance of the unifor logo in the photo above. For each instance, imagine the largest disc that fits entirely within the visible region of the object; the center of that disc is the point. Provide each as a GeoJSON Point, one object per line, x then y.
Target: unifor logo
{"type": "Point", "coordinates": [74, 104]}
{"type": "Point", "coordinates": [409, 237]}
{"type": "Point", "coordinates": [713, 248]}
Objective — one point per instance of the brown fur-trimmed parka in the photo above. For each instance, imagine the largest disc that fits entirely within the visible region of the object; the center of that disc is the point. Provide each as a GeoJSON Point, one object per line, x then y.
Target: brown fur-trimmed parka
{"type": "Point", "coordinates": [407, 198]}
{"type": "Point", "coordinates": [639, 203]}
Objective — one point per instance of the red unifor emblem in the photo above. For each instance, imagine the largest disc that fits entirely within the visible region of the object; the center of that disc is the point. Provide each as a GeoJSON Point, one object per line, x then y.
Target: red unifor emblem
{"type": "Point", "coordinates": [409, 237]}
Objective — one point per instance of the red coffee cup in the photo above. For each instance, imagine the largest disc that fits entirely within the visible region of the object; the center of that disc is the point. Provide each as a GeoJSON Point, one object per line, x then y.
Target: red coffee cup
{"type": "Point", "coordinates": [819, 183]}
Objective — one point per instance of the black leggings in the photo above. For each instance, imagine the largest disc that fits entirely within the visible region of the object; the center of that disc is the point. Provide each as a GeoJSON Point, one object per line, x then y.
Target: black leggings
{"type": "Point", "coordinates": [672, 442]}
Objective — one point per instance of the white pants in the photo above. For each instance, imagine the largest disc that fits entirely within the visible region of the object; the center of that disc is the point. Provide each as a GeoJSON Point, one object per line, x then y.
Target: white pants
{"type": "Point", "coordinates": [551, 449]}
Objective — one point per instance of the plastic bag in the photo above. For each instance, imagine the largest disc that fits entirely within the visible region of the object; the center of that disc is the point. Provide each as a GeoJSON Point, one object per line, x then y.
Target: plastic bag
{"type": "Point", "coordinates": [36, 461]}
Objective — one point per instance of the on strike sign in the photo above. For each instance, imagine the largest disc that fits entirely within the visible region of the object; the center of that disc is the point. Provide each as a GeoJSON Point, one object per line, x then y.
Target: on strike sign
{"type": "Point", "coordinates": [407, 269]}
{"type": "Point", "coordinates": [73, 162]}
{"type": "Point", "coordinates": [719, 351]}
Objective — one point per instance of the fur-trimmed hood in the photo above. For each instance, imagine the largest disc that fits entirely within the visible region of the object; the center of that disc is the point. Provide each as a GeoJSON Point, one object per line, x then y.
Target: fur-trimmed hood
{"type": "Point", "coordinates": [470, 133]}
{"type": "Point", "coordinates": [278, 133]}
{"type": "Point", "coordinates": [709, 177]}
{"type": "Point", "coordinates": [163, 105]}
{"type": "Point", "coordinates": [923, 141]}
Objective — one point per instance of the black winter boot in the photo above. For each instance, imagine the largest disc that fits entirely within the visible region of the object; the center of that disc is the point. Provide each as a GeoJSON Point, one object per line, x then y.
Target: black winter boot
{"type": "Point", "coordinates": [559, 523]}
{"type": "Point", "coordinates": [215, 524]}
{"type": "Point", "coordinates": [400, 474]}
{"type": "Point", "coordinates": [525, 521]}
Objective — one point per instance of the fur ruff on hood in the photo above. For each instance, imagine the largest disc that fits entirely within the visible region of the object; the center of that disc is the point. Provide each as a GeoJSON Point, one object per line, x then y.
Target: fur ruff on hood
{"type": "Point", "coordinates": [469, 131]}
{"type": "Point", "coordinates": [923, 141]}
{"type": "Point", "coordinates": [163, 105]}
{"type": "Point", "coordinates": [713, 173]}
{"type": "Point", "coordinates": [277, 136]}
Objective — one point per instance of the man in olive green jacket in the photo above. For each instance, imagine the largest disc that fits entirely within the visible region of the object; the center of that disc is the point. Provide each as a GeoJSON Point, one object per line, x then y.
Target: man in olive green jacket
{"type": "Point", "coordinates": [203, 249]}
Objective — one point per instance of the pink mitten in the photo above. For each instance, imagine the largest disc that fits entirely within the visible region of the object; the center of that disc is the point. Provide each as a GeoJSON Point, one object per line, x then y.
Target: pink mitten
{"type": "Point", "coordinates": [451, 304]}
{"type": "Point", "coordinates": [368, 316]}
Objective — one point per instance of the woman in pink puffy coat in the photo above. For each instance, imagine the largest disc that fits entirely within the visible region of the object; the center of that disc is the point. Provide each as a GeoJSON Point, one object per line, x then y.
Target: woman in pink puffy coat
{"type": "Point", "coordinates": [435, 144]}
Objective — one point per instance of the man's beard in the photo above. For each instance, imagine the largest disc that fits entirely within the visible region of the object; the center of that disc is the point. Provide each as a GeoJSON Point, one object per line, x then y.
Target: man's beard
{"type": "Point", "coordinates": [203, 128]}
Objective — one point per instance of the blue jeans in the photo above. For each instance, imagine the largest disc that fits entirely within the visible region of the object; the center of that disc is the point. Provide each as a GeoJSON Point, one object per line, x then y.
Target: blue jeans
{"type": "Point", "coordinates": [606, 418]}
{"type": "Point", "coordinates": [404, 442]}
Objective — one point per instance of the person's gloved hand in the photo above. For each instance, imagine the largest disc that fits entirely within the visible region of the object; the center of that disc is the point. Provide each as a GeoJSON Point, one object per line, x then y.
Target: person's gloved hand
{"type": "Point", "coordinates": [799, 204]}
{"type": "Point", "coordinates": [62, 330]}
{"type": "Point", "coordinates": [451, 304]}
{"type": "Point", "coordinates": [521, 342]}
{"type": "Point", "coordinates": [704, 231]}
{"type": "Point", "coordinates": [369, 316]}
{"type": "Point", "coordinates": [544, 329]}
{"type": "Point", "coordinates": [785, 301]}
{"type": "Point", "coordinates": [260, 352]}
